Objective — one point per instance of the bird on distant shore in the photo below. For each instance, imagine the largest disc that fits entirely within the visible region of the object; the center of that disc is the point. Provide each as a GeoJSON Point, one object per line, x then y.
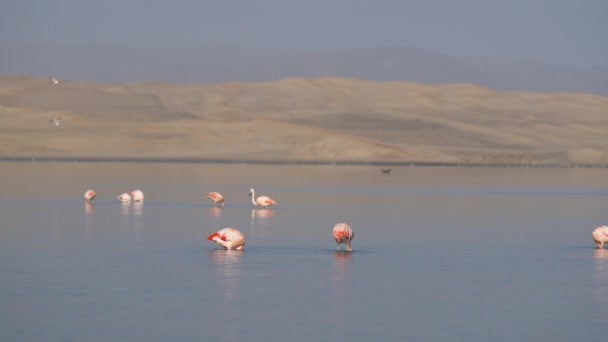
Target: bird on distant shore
{"type": "Point", "coordinates": [343, 234]}
{"type": "Point", "coordinates": [386, 170]}
{"type": "Point", "coordinates": [138, 195]}
{"type": "Point", "coordinates": [216, 197]}
{"type": "Point", "coordinates": [89, 196]}
{"type": "Point", "coordinates": [56, 121]}
{"type": "Point", "coordinates": [54, 80]}
{"type": "Point", "coordinates": [600, 236]}
{"type": "Point", "coordinates": [124, 197]}
{"type": "Point", "coordinates": [263, 201]}
{"type": "Point", "coordinates": [229, 238]}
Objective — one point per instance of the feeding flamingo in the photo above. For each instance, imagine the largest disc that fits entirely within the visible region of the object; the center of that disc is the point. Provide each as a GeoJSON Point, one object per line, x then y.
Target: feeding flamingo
{"type": "Point", "coordinates": [124, 197]}
{"type": "Point", "coordinates": [600, 236]}
{"type": "Point", "coordinates": [138, 195]}
{"type": "Point", "coordinates": [229, 238]}
{"type": "Point", "coordinates": [263, 201]}
{"type": "Point", "coordinates": [343, 233]}
{"type": "Point", "coordinates": [216, 197]}
{"type": "Point", "coordinates": [89, 196]}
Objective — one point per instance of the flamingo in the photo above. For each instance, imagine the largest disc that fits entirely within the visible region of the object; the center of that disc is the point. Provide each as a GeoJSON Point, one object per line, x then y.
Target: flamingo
{"type": "Point", "coordinates": [89, 196]}
{"type": "Point", "coordinates": [343, 233]}
{"type": "Point", "coordinates": [263, 201]}
{"type": "Point", "coordinates": [600, 236]}
{"type": "Point", "coordinates": [216, 197]}
{"type": "Point", "coordinates": [124, 197]}
{"type": "Point", "coordinates": [229, 238]}
{"type": "Point", "coordinates": [138, 195]}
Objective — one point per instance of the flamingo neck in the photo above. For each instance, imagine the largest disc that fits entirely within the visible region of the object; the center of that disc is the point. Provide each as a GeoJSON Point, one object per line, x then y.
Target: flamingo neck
{"type": "Point", "coordinates": [219, 241]}
{"type": "Point", "coordinates": [253, 197]}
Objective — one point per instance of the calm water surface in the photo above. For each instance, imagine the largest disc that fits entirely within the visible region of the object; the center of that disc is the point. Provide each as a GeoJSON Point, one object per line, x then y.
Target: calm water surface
{"type": "Point", "coordinates": [440, 254]}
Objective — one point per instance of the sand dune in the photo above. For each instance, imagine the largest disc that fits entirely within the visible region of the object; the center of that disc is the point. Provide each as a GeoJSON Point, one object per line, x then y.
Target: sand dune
{"type": "Point", "coordinates": [328, 119]}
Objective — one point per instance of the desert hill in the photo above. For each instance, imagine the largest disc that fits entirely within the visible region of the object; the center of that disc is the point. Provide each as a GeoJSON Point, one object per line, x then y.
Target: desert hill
{"type": "Point", "coordinates": [327, 119]}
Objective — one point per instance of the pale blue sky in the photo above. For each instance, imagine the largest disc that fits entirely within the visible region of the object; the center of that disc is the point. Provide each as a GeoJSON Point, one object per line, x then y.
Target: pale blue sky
{"type": "Point", "coordinates": [558, 31]}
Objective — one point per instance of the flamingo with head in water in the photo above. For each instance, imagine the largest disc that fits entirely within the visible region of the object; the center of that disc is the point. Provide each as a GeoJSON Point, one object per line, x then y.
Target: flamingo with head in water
{"type": "Point", "coordinates": [138, 195]}
{"type": "Point", "coordinates": [263, 201]}
{"type": "Point", "coordinates": [89, 196]}
{"type": "Point", "coordinates": [600, 236]}
{"type": "Point", "coordinates": [216, 197]}
{"type": "Point", "coordinates": [229, 238]}
{"type": "Point", "coordinates": [343, 234]}
{"type": "Point", "coordinates": [124, 197]}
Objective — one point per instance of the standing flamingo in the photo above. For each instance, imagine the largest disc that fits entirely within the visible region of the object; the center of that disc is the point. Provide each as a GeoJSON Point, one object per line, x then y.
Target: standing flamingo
{"type": "Point", "coordinates": [89, 196]}
{"type": "Point", "coordinates": [124, 197]}
{"type": "Point", "coordinates": [263, 201]}
{"type": "Point", "coordinates": [229, 238]}
{"type": "Point", "coordinates": [343, 233]}
{"type": "Point", "coordinates": [138, 195]}
{"type": "Point", "coordinates": [600, 236]}
{"type": "Point", "coordinates": [216, 197]}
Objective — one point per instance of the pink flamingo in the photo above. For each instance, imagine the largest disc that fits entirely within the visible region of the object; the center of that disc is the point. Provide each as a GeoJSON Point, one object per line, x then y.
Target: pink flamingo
{"type": "Point", "coordinates": [229, 238]}
{"type": "Point", "coordinates": [216, 197]}
{"type": "Point", "coordinates": [138, 195]}
{"type": "Point", "coordinates": [600, 236]}
{"type": "Point", "coordinates": [343, 233]}
{"type": "Point", "coordinates": [89, 196]}
{"type": "Point", "coordinates": [263, 201]}
{"type": "Point", "coordinates": [124, 197]}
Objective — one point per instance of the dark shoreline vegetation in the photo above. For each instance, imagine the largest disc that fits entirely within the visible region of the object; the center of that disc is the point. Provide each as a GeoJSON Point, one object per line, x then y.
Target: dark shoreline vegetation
{"type": "Point", "coordinates": [289, 162]}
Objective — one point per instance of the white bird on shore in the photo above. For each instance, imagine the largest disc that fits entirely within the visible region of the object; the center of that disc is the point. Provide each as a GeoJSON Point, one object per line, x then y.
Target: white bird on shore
{"type": "Point", "coordinates": [229, 238]}
{"type": "Point", "coordinates": [89, 196]}
{"type": "Point", "coordinates": [56, 121]}
{"type": "Point", "coordinates": [263, 201]}
{"type": "Point", "coordinates": [138, 195]}
{"type": "Point", "coordinates": [343, 233]}
{"type": "Point", "coordinates": [600, 236]}
{"type": "Point", "coordinates": [54, 80]}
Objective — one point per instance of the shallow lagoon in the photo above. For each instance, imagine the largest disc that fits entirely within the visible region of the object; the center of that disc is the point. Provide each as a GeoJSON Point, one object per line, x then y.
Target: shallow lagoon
{"type": "Point", "coordinates": [446, 254]}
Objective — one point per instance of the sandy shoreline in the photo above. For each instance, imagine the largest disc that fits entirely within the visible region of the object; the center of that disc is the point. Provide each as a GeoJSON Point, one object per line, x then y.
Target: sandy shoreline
{"type": "Point", "coordinates": [325, 120]}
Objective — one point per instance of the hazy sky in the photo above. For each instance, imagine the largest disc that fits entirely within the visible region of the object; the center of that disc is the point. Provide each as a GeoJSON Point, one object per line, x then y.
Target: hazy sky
{"type": "Point", "coordinates": [558, 31]}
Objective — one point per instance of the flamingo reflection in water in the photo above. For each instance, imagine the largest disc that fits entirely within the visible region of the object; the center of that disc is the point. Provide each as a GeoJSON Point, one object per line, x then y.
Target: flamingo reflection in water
{"type": "Point", "coordinates": [225, 266]}
{"type": "Point", "coordinates": [137, 219]}
{"type": "Point", "coordinates": [600, 286]}
{"type": "Point", "coordinates": [215, 211]}
{"type": "Point", "coordinates": [132, 219]}
{"type": "Point", "coordinates": [260, 218]}
{"type": "Point", "coordinates": [340, 283]}
{"type": "Point", "coordinates": [89, 208]}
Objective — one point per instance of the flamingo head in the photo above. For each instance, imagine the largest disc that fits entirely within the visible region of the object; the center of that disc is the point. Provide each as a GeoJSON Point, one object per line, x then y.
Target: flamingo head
{"type": "Point", "coordinates": [212, 236]}
{"type": "Point", "coordinates": [250, 192]}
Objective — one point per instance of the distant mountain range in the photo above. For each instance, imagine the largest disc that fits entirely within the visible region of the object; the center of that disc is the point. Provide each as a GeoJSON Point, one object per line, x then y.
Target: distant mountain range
{"type": "Point", "coordinates": [222, 64]}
